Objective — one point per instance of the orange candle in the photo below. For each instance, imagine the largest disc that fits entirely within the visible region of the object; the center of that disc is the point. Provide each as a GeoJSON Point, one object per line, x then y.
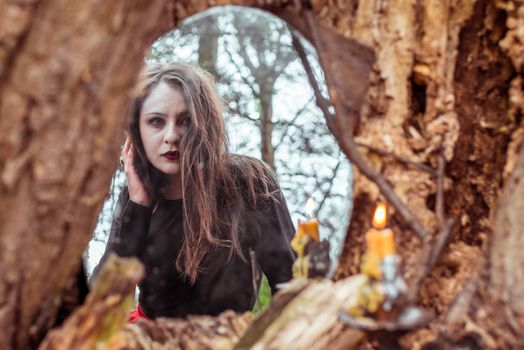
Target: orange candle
{"type": "Point", "coordinates": [373, 242]}
{"type": "Point", "coordinates": [306, 230]}
{"type": "Point", "coordinates": [296, 243]}
{"type": "Point", "coordinates": [388, 243]}
{"type": "Point", "coordinates": [379, 239]}
{"type": "Point", "coordinates": [309, 228]}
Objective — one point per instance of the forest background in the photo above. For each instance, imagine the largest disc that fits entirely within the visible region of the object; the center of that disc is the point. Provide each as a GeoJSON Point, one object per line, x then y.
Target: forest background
{"type": "Point", "coordinates": [270, 114]}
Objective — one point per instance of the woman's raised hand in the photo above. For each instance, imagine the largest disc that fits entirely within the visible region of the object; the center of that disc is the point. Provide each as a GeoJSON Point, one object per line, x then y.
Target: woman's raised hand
{"type": "Point", "coordinates": [137, 190]}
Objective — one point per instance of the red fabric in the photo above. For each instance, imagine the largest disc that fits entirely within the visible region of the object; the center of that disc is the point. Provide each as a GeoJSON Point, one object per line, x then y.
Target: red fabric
{"type": "Point", "coordinates": [136, 314]}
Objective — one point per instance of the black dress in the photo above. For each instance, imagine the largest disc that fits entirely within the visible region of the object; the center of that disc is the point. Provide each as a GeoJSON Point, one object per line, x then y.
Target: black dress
{"type": "Point", "coordinates": [224, 283]}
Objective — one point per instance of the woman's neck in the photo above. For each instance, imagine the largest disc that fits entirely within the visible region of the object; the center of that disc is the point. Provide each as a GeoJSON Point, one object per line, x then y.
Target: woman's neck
{"type": "Point", "coordinates": [174, 189]}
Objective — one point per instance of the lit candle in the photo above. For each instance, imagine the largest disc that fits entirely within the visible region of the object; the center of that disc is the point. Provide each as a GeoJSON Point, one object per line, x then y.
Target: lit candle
{"type": "Point", "coordinates": [385, 285]}
{"type": "Point", "coordinates": [380, 239]}
{"type": "Point", "coordinates": [310, 226]}
{"type": "Point", "coordinates": [379, 243]}
{"type": "Point", "coordinates": [306, 230]}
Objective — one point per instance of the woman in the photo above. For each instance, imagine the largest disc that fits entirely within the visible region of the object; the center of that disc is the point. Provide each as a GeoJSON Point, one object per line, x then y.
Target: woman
{"type": "Point", "coordinates": [203, 221]}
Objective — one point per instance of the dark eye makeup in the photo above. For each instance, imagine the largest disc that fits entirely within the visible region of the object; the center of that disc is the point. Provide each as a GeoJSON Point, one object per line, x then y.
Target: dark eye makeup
{"type": "Point", "coordinates": [185, 119]}
{"type": "Point", "coordinates": [156, 121]}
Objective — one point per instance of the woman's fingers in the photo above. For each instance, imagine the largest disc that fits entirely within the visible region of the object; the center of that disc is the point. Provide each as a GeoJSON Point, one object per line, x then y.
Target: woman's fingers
{"type": "Point", "coordinates": [127, 153]}
{"type": "Point", "coordinates": [123, 152]}
{"type": "Point", "coordinates": [131, 153]}
{"type": "Point", "coordinates": [137, 191]}
{"type": "Point", "coordinates": [126, 146]}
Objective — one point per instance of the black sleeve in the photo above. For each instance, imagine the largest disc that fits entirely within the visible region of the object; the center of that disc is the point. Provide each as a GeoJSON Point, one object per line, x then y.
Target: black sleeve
{"type": "Point", "coordinates": [129, 230]}
{"type": "Point", "coordinates": [274, 231]}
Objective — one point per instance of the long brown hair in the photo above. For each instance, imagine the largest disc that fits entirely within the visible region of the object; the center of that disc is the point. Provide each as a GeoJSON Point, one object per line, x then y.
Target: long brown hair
{"type": "Point", "coordinates": [217, 186]}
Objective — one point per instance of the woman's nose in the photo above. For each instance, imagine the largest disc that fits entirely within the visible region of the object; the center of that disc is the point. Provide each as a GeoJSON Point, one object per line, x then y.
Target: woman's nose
{"type": "Point", "coordinates": [172, 134]}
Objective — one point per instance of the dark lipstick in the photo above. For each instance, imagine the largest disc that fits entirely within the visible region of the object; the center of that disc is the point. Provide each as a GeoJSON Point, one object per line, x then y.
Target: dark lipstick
{"type": "Point", "coordinates": [172, 155]}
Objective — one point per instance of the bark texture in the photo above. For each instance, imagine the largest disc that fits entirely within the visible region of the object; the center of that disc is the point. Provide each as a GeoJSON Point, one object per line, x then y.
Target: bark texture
{"type": "Point", "coordinates": [447, 81]}
{"type": "Point", "coordinates": [98, 322]}
{"type": "Point", "coordinates": [65, 72]}
{"type": "Point", "coordinates": [197, 332]}
{"type": "Point", "coordinates": [101, 322]}
{"type": "Point", "coordinates": [304, 316]}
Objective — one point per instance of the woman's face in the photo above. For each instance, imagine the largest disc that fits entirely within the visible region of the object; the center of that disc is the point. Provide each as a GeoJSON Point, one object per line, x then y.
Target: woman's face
{"type": "Point", "coordinates": [164, 120]}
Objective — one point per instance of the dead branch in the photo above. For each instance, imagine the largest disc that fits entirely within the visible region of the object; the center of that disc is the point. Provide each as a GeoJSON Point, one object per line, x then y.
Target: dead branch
{"type": "Point", "coordinates": [433, 248]}
{"type": "Point", "coordinates": [441, 173]}
{"type": "Point", "coordinates": [105, 311]}
{"type": "Point", "coordinates": [292, 122]}
{"type": "Point", "coordinates": [326, 193]}
{"type": "Point", "coordinates": [196, 332]}
{"type": "Point", "coordinates": [406, 161]}
{"type": "Point", "coordinates": [341, 125]}
{"type": "Point", "coordinates": [102, 321]}
{"type": "Point", "coordinates": [344, 136]}
{"type": "Point", "coordinates": [305, 316]}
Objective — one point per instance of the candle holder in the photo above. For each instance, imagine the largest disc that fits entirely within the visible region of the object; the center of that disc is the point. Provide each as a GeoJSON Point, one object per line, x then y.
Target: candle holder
{"type": "Point", "coordinates": [312, 254]}
{"type": "Point", "coordinates": [409, 317]}
{"type": "Point", "coordinates": [382, 296]}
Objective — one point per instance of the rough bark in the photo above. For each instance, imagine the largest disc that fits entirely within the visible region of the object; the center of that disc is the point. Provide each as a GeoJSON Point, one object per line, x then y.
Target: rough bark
{"type": "Point", "coordinates": [97, 323]}
{"type": "Point", "coordinates": [196, 332]}
{"type": "Point", "coordinates": [101, 321]}
{"type": "Point", "coordinates": [506, 291]}
{"type": "Point", "coordinates": [66, 69]}
{"type": "Point", "coordinates": [304, 316]}
{"type": "Point", "coordinates": [66, 73]}
{"type": "Point", "coordinates": [444, 84]}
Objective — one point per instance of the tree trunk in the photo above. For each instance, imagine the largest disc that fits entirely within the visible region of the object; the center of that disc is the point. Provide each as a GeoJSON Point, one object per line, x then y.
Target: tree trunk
{"type": "Point", "coordinates": [447, 83]}
{"type": "Point", "coordinates": [65, 72]}
{"type": "Point", "coordinates": [208, 44]}
{"type": "Point", "coordinates": [444, 86]}
{"type": "Point", "coordinates": [266, 128]}
{"type": "Point", "coordinates": [98, 321]}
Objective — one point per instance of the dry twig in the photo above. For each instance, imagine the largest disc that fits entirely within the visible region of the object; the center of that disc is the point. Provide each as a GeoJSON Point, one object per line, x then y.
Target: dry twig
{"type": "Point", "coordinates": [433, 248]}
{"type": "Point", "coordinates": [382, 152]}
{"type": "Point", "coordinates": [341, 125]}
{"type": "Point", "coordinates": [343, 133]}
{"type": "Point", "coordinates": [441, 173]}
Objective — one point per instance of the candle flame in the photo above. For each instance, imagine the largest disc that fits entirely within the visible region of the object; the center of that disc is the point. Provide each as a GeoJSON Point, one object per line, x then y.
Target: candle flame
{"type": "Point", "coordinates": [309, 206]}
{"type": "Point", "coordinates": [380, 217]}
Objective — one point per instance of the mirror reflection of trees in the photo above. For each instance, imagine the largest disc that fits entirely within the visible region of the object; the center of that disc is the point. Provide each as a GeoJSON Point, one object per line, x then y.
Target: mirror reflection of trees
{"type": "Point", "coordinates": [270, 112]}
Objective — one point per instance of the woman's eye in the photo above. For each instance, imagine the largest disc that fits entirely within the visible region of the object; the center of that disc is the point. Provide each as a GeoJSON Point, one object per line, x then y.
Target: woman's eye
{"type": "Point", "coordinates": [156, 122]}
{"type": "Point", "coordinates": [185, 120]}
